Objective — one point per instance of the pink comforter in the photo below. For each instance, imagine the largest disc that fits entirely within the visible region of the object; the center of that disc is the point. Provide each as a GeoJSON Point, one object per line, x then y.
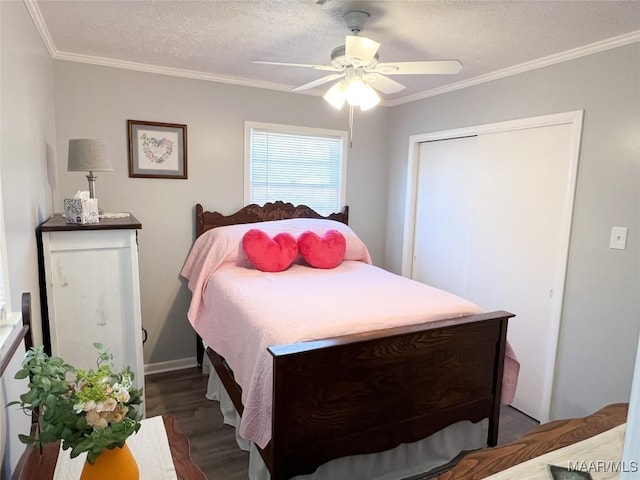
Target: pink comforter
{"type": "Point", "coordinates": [239, 312]}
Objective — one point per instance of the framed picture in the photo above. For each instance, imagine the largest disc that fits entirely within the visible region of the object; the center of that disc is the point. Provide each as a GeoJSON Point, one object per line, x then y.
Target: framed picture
{"type": "Point", "coordinates": [157, 150]}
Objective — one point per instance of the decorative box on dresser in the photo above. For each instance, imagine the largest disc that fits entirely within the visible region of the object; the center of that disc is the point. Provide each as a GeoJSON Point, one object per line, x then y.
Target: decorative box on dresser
{"type": "Point", "coordinates": [92, 291]}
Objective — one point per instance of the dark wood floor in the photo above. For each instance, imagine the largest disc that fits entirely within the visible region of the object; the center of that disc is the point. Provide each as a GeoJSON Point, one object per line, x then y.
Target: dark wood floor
{"type": "Point", "coordinates": [213, 445]}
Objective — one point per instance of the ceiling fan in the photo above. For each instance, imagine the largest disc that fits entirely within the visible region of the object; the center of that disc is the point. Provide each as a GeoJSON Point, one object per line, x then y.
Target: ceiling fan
{"type": "Point", "coordinates": [359, 73]}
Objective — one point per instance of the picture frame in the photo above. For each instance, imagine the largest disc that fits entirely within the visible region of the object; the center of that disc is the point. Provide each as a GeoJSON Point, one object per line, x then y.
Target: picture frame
{"type": "Point", "coordinates": [157, 150]}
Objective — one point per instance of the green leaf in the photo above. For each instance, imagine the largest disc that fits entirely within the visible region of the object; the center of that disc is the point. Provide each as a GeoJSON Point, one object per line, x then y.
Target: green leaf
{"type": "Point", "coordinates": [29, 397]}
{"type": "Point", "coordinates": [20, 374]}
{"type": "Point", "coordinates": [46, 383]}
{"type": "Point", "coordinates": [50, 401]}
{"type": "Point", "coordinates": [82, 446]}
{"type": "Point", "coordinates": [26, 438]}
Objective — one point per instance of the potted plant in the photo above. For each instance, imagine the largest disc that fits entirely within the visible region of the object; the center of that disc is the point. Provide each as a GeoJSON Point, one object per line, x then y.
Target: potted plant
{"type": "Point", "coordinates": [90, 411]}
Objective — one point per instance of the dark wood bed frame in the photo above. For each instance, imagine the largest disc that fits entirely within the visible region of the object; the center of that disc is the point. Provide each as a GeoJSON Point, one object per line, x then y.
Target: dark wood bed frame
{"type": "Point", "coordinates": [370, 392]}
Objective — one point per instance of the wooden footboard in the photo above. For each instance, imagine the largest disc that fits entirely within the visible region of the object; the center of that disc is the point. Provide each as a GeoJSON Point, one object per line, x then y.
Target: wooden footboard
{"type": "Point", "coordinates": [370, 392]}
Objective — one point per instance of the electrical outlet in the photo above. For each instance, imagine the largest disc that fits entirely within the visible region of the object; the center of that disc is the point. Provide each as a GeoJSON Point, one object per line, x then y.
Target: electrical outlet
{"type": "Point", "coordinates": [618, 238]}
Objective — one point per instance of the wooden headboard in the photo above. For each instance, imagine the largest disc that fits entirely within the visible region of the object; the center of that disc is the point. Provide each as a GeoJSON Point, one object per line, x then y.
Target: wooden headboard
{"type": "Point", "coordinates": [255, 213]}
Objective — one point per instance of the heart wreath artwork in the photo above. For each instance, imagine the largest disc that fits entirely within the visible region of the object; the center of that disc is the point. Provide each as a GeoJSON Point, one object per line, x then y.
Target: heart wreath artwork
{"type": "Point", "coordinates": [270, 254]}
{"type": "Point", "coordinates": [156, 150]}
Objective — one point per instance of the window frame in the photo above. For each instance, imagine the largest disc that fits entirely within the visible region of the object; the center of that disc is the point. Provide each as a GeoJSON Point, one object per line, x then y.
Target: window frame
{"type": "Point", "coordinates": [295, 130]}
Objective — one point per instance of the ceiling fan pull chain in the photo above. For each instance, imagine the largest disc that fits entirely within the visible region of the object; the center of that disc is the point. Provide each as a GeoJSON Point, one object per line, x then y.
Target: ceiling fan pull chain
{"type": "Point", "coordinates": [350, 126]}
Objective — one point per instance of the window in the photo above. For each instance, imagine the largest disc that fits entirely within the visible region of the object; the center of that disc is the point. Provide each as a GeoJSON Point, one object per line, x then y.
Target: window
{"type": "Point", "coordinates": [295, 164]}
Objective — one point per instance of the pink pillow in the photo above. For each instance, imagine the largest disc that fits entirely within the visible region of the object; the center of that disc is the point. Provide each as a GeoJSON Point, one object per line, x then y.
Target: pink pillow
{"type": "Point", "coordinates": [270, 254]}
{"type": "Point", "coordinates": [322, 252]}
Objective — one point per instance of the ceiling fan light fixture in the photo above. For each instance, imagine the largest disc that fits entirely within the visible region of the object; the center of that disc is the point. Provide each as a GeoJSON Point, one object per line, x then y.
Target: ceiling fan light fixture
{"type": "Point", "coordinates": [356, 67]}
{"type": "Point", "coordinates": [355, 91]}
{"type": "Point", "coordinates": [359, 94]}
{"type": "Point", "coordinates": [337, 94]}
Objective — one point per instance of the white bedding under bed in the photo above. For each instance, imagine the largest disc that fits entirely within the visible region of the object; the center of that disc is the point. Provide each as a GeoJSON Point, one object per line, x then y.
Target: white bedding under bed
{"type": "Point", "coordinates": [239, 312]}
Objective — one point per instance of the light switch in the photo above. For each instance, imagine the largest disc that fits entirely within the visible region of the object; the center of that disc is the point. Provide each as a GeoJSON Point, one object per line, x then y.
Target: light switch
{"type": "Point", "coordinates": [618, 238]}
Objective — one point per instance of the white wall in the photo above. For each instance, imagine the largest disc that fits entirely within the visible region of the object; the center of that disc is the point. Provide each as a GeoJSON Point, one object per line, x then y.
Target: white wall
{"type": "Point", "coordinates": [27, 148]}
{"type": "Point", "coordinates": [94, 101]}
{"type": "Point", "coordinates": [27, 143]}
{"type": "Point", "coordinates": [602, 306]}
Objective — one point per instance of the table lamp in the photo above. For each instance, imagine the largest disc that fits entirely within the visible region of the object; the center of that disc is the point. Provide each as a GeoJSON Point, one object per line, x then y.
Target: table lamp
{"type": "Point", "coordinates": [89, 155]}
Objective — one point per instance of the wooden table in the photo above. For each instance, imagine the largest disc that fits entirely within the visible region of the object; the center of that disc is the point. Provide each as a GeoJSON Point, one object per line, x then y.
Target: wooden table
{"type": "Point", "coordinates": [34, 466]}
{"type": "Point", "coordinates": [543, 439]}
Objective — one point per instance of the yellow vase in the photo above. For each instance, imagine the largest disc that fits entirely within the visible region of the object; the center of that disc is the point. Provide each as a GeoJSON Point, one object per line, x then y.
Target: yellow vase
{"type": "Point", "coordinates": [116, 463]}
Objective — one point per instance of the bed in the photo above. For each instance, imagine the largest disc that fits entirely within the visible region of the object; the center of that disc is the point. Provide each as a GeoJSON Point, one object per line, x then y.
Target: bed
{"type": "Point", "coordinates": [348, 394]}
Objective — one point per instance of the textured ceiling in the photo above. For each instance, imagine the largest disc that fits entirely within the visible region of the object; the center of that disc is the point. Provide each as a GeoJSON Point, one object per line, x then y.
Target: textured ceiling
{"type": "Point", "coordinates": [219, 39]}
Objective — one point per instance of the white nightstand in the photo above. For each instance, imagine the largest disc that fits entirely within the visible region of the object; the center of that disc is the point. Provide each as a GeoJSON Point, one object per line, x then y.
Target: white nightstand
{"type": "Point", "coordinates": [93, 291]}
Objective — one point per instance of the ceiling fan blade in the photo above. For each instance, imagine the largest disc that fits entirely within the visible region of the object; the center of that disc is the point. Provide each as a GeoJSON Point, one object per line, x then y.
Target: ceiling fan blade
{"type": "Point", "coordinates": [384, 84]}
{"type": "Point", "coordinates": [329, 68]}
{"type": "Point", "coordinates": [419, 68]}
{"type": "Point", "coordinates": [320, 81]}
{"type": "Point", "coordinates": [360, 50]}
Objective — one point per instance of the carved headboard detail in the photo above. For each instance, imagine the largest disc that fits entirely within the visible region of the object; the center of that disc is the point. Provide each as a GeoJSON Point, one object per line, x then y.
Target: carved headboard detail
{"type": "Point", "coordinates": [255, 213]}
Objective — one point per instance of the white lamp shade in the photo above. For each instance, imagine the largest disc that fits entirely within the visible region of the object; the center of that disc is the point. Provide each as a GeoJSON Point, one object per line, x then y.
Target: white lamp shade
{"type": "Point", "coordinates": [369, 98]}
{"type": "Point", "coordinates": [88, 155]}
{"type": "Point", "coordinates": [337, 95]}
{"type": "Point", "coordinates": [355, 91]}
{"type": "Point", "coordinates": [360, 94]}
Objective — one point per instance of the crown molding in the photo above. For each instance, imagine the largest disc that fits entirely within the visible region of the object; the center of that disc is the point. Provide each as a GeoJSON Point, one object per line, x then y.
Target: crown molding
{"type": "Point", "coordinates": [174, 72]}
{"type": "Point", "coordinates": [572, 54]}
{"type": "Point", "coordinates": [41, 26]}
{"type": "Point", "coordinates": [567, 55]}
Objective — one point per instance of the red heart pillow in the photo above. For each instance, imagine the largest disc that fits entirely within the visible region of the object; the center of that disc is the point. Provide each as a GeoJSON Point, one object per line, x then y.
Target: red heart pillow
{"type": "Point", "coordinates": [270, 254]}
{"type": "Point", "coordinates": [322, 252]}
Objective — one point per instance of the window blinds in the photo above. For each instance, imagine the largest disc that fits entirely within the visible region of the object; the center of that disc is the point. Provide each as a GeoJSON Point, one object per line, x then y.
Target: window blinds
{"type": "Point", "coordinates": [298, 168]}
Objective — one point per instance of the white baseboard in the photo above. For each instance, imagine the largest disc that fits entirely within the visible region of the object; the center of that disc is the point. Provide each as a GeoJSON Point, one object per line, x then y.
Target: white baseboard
{"type": "Point", "coordinates": [169, 366]}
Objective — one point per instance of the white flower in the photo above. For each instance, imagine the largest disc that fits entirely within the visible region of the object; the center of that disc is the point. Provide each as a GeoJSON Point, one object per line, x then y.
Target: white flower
{"type": "Point", "coordinates": [122, 396]}
{"type": "Point", "coordinates": [78, 407]}
{"type": "Point", "coordinates": [90, 405]}
{"type": "Point", "coordinates": [100, 407]}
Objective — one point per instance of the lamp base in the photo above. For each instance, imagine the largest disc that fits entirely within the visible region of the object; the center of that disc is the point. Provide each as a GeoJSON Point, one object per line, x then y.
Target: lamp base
{"type": "Point", "coordinates": [92, 184]}
{"type": "Point", "coordinates": [92, 189]}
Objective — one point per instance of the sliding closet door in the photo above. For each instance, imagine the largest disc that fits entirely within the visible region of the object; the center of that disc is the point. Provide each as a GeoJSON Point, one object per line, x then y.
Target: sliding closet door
{"type": "Point", "coordinates": [491, 213]}
{"type": "Point", "coordinates": [444, 213]}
